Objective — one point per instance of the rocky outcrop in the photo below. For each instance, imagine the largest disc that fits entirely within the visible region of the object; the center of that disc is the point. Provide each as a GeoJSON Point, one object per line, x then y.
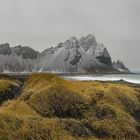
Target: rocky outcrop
{"type": "Point", "coordinates": [5, 49]}
{"type": "Point", "coordinates": [121, 67]}
{"type": "Point", "coordinates": [26, 52]}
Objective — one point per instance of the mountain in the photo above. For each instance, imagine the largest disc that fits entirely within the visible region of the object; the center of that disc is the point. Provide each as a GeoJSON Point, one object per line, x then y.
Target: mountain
{"type": "Point", "coordinates": [17, 59]}
{"type": "Point", "coordinates": [82, 55]}
{"type": "Point", "coordinates": [119, 65]}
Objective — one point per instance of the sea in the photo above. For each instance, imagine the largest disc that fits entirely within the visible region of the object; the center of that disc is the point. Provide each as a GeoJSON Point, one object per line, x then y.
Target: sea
{"type": "Point", "coordinates": [131, 78]}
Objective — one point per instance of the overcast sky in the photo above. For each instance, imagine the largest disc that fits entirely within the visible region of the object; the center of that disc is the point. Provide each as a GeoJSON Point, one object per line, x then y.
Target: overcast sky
{"type": "Point", "coordinates": [44, 23]}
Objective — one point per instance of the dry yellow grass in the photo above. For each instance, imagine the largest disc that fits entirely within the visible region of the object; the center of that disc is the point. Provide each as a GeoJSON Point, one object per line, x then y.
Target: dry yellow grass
{"type": "Point", "coordinates": [5, 84]}
{"type": "Point", "coordinates": [18, 109]}
{"type": "Point", "coordinates": [53, 108]}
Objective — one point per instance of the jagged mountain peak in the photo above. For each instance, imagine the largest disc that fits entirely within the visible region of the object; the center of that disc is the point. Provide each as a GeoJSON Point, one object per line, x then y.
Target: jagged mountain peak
{"type": "Point", "coordinates": [119, 62]}
{"type": "Point", "coordinates": [87, 42]}
{"type": "Point", "coordinates": [72, 42]}
{"type": "Point", "coordinates": [89, 36]}
{"type": "Point", "coordinates": [5, 49]}
{"type": "Point", "coordinates": [120, 66]}
{"type": "Point", "coordinates": [72, 39]}
{"type": "Point", "coordinates": [25, 51]}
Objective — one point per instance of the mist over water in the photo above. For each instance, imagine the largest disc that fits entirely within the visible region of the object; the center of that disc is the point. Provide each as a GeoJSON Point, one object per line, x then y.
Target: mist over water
{"type": "Point", "coordinates": [132, 78]}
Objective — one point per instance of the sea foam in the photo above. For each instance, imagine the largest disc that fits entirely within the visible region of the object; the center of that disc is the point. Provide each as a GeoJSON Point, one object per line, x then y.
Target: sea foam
{"type": "Point", "coordinates": [128, 78]}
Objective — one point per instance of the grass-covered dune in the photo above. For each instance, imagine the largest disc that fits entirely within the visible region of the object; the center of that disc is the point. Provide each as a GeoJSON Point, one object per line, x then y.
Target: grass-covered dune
{"type": "Point", "coordinates": [51, 108]}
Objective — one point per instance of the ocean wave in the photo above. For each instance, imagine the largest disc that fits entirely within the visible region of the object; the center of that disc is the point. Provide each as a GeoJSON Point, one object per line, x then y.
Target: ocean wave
{"type": "Point", "coordinates": [103, 78]}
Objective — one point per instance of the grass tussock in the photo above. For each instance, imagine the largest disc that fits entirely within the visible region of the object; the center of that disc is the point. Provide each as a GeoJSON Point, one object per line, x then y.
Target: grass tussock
{"type": "Point", "coordinates": [5, 85]}
{"type": "Point", "coordinates": [52, 108]}
{"type": "Point", "coordinates": [8, 89]}
{"type": "Point", "coordinates": [58, 101]}
{"type": "Point", "coordinates": [17, 108]}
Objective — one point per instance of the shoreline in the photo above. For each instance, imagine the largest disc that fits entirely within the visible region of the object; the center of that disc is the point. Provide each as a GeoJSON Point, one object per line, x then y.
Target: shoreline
{"type": "Point", "coordinates": [86, 77]}
{"type": "Point", "coordinates": [69, 74]}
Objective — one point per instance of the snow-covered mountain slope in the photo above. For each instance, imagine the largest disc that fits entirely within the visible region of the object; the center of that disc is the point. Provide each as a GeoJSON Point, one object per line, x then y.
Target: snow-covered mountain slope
{"type": "Point", "coordinates": [17, 59]}
{"type": "Point", "coordinates": [83, 55]}
{"type": "Point", "coordinates": [72, 56]}
{"type": "Point", "coordinates": [119, 65]}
